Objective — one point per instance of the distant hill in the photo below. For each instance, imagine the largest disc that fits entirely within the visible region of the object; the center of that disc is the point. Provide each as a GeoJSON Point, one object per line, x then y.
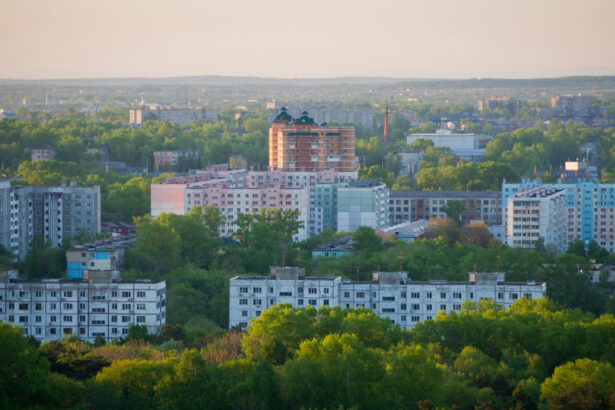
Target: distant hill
{"type": "Point", "coordinates": [600, 82]}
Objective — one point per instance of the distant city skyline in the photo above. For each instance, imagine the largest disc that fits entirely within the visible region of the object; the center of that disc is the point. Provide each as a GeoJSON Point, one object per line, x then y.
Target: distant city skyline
{"type": "Point", "coordinates": [301, 39]}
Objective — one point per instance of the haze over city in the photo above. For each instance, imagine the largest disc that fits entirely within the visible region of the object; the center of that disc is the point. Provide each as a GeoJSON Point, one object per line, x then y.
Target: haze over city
{"type": "Point", "coordinates": [298, 39]}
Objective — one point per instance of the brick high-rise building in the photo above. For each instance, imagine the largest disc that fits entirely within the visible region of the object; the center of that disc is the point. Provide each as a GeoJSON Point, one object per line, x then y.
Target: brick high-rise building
{"type": "Point", "coordinates": [303, 145]}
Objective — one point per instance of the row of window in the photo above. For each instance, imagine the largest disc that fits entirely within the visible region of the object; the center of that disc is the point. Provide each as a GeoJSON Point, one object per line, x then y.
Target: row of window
{"type": "Point", "coordinates": [70, 306]}
{"type": "Point", "coordinates": [69, 294]}
{"type": "Point", "coordinates": [82, 319]}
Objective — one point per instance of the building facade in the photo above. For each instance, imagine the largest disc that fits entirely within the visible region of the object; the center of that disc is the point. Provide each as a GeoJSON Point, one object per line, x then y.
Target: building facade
{"type": "Point", "coordinates": [590, 209]}
{"type": "Point", "coordinates": [171, 159]}
{"type": "Point", "coordinates": [101, 255]}
{"type": "Point", "coordinates": [362, 203]}
{"type": "Point", "coordinates": [168, 114]}
{"type": "Point", "coordinates": [536, 213]}
{"type": "Point", "coordinates": [313, 194]}
{"type": "Point", "coordinates": [391, 295]}
{"type": "Point", "coordinates": [42, 154]}
{"type": "Point", "coordinates": [53, 308]}
{"type": "Point", "coordinates": [303, 145]}
{"type": "Point", "coordinates": [50, 213]}
{"type": "Point", "coordinates": [483, 206]}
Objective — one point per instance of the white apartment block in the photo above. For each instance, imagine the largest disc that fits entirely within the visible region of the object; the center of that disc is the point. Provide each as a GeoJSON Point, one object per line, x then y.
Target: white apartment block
{"type": "Point", "coordinates": [52, 213]}
{"type": "Point", "coordinates": [537, 213]}
{"type": "Point", "coordinates": [181, 116]}
{"type": "Point", "coordinates": [362, 203]}
{"type": "Point", "coordinates": [391, 295]}
{"type": "Point", "coordinates": [53, 308]}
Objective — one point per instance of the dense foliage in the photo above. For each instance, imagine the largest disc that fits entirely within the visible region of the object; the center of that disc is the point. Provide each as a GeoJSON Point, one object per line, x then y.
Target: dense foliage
{"type": "Point", "coordinates": [531, 355]}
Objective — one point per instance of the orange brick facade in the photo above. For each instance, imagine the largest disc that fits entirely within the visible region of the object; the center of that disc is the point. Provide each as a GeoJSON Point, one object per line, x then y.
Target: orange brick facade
{"type": "Point", "coordinates": [302, 145]}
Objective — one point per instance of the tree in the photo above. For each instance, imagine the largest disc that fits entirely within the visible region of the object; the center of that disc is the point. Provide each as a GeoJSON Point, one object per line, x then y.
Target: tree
{"type": "Point", "coordinates": [365, 239]}
{"type": "Point", "coordinates": [583, 384]}
{"type": "Point", "coordinates": [453, 210]}
{"type": "Point", "coordinates": [475, 234]}
{"type": "Point", "coordinates": [157, 248]}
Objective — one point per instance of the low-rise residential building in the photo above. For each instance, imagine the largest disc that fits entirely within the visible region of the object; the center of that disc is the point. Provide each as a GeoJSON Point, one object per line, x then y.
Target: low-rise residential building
{"type": "Point", "coordinates": [93, 307]}
{"type": "Point", "coordinates": [171, 159]}
{"type": "Point", "coordinates": [335, 249]}
{"type": "Point", "coordinates": [100, 255]}
{"type": "Point", "coordinates": [537, 213]}
{"type": "Point", "coordinates": [407, 231]}
{"type": "Point", "coordinates": [42, 154]}
{"type": "Point", "coordinates": [118, 228]}
{"type": "Point", "coordinates": [362, 203]}
{"type": "Point", "coordinates": [391, 295]}
{"type": "Point", "coordinates": [483, 206]}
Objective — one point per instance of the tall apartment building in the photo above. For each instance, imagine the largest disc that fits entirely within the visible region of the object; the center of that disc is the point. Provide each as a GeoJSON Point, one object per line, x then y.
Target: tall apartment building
{"type": "Point", "coordinates": [101, 255]}
{"type": "Point", "coordinates": [181, 116]}
{"type": "Point", "coordinates": [391, 295]}
{"type": "Point", "coordinates": [589, 208]}
{"type": "Point", "coordinates": [303, 145]}
{"type": "Point", "coordinates": [496, 102]}
{"type": "Point", "coordinates": [464, 146]}
{"type": "Point", "coordinates": [572, 105]}
{"type": "Point", "coordinates": [415, 205]}
{"type": "Point", "coordinates": [315, 194]}
{"type": "Point", "coordinates": [362, 203]}
{"type": "Point", "coordinates": [536, 213]}
{"type": "Point", "coordinates": [324, 113]}
{"type": "Point", "coordinates": [51, 213]}
{"type": "Point", "coordinates": [170, 159]}
{"type": "Point", "coordinates": [53, 308]}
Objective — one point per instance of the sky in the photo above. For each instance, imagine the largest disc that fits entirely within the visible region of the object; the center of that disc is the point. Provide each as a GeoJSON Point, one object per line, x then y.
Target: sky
{"type": "Point", "coordinates": [306, 38]}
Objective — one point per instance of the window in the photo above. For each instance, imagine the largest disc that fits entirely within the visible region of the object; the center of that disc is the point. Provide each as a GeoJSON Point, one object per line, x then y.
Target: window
{"type": "Point", "coordinates": [257, 302]}
{"type": "Point", "coordinates": [114, 306]}
{"type": "Point", "coordinates": [140, 293]}
{"type": "Point", "coordinates": [114, 319]}
{"type": "Point", "coordinates": [300, 302]}
{"type": "Point", "coordinates": [428, 307]}
{"type": "Point", "coordinates": [442, 307]}
{"type": "Point", "coordinates": [244, 313]}
{"type": "Point", "coordinates": [114, 293]}
{"type": "Point", "coordinates": [140, 319]}
{"type": "Point", "coordinates": [500, 295]}
{"type": "Point", "coordinates": [126, 294]}
{"type": "Point", "coordinates": [98, 310]}
{"type": "Point", "coordinates": [243, 301]}
{"type": "Point", "coordinates": [67, 318]}
{"type": "Point", "coordinates": [457, 307]}
{"type": "Point", "coordinates": [403, 306]}
{"type": "Point", "coordinates": [312, 291]}
{"type": "Point", "coordinates": [125, 319]}
{"type": "Point", "coordinates": [312, 302]}
{"type": "Point", "coordinates": [53, 294]}
{"type": "Point", "coordinates": [514, 296]}
{"type": "Point", "coordinates": [243, 290]}
{"type": "Point", "coordinates": [23, 319]}
{"type": "Point", "coordinates": [326, 291]}
{"type": "Point", "coordinates": [68, 294]}
{"type": "Point", "coordinates": [471, 295]}
{"type": "Point", "coordinates": [126, 306]}
{"type": "Point", "coordinates": [325, 302]}
{"type": "Point", "coordinates": [38, 294]}
{"type": "Point", "coordinates": [428, 295]}
{"type": "Point", "coordinates": [23, 306]}
{"type": "Point", "coordinates": [403, 295]}
{"type": "Point", "coordinates": [388, 310]}
{"type": "Point", "coordinates": [286, 293]}
{"type": "Point", "coordinates": [456, 295]}
{"type": "Point", "coordinates": [38, 319]}
{"type": "Point", "coordinates": [527, 295]}
{"type": "Point", "coordinates": [67, 306]}
{"type": "Point", "coordinates": [82, 293]}
{"type": "Point", "coordinates": [346, 294]}
{"type": "Point", "coordinates": [258, 290]}
{"type": "Point", "coordinates": [270, 290]}
{"type": "Point", "coordinates": [52, 331]}
{"type": "Point", "coordinates": [414, 318]}
{"type": "Point", "coordinates": [360, 294]}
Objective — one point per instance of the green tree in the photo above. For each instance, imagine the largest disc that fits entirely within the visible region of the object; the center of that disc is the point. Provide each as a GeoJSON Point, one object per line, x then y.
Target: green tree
{"type": "Point", "coordinates": [583, 384]}
{"type": "Point", "coordinates": [454, 209]}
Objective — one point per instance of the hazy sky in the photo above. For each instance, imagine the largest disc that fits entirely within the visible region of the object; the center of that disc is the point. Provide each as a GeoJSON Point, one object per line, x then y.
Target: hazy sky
{"type": "Point", "coordinates": [306, 38]}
